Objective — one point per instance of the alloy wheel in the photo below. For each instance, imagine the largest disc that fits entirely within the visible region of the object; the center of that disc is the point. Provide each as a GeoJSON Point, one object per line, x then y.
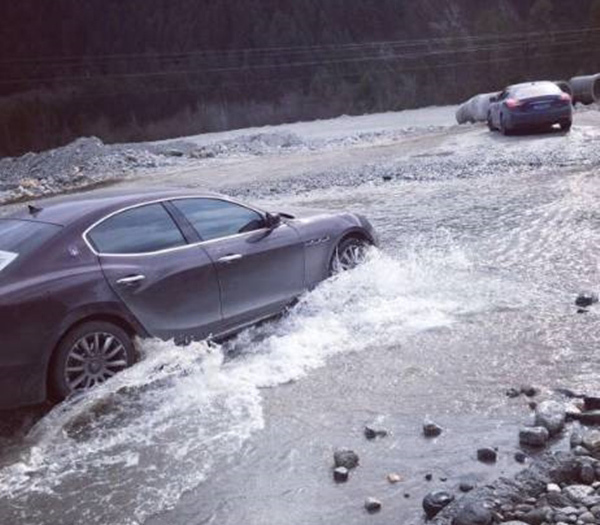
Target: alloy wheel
{"type": "Point", "coordinates": [349, 256]}
{"type": "Point", "coordinates": [93, 359]}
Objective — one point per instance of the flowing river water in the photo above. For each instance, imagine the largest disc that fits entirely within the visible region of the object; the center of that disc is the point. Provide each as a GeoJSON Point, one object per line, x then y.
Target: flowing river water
{"type": "Point", "coordinates": [470, 293]}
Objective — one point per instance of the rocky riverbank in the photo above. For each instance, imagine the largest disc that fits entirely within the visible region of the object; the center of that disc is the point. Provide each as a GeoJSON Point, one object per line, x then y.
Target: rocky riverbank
{"type": "Point", "coordinates": [559, 487]}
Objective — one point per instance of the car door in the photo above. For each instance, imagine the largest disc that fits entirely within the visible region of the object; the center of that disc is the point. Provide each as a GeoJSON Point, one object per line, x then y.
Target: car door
{"type": "Point", "coordinates": [170, 286]}
{"type": "Point", "coordinates": [260, 269]}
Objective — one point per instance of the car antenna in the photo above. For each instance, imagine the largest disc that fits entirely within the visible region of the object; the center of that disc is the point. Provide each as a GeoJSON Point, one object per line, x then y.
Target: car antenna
{"type": "Point", "coordinates": [33, 210]}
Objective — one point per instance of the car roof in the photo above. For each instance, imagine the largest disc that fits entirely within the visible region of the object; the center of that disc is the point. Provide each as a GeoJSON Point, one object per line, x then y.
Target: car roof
{"type": "Point", "coordinates": [91, 206]}
{"type": "Point", "coordinates": [527, 84]}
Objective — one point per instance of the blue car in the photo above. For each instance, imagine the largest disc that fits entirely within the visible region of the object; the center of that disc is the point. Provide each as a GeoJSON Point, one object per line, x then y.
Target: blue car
{"type": "Point", "coordinates": [530, 105]}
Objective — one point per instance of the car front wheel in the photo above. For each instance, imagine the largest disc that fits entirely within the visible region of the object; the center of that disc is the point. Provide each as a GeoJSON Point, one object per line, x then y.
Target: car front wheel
{"type": "Point", "coordinates": [349, 254]}
{"type": "Point", "coordinates": [89, 355]}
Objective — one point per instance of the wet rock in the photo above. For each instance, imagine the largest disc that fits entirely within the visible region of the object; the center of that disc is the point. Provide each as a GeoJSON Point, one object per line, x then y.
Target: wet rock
{"type": "Point", "coordinates": [591, 441]}
{"type": "Point", "coordinates": [534, 436]}
{"type": "Point", "coordinates": [428, 477]}
{"type": "Point", "coordinates": [487, 455]}
{"type": "Point", "coordinates": [514, 523]}
{"type": "Point", "coordinates": [576, 438]}
{"type": "Point", "coordinates": [585, 299]}
{"type": "Point", "coordinates": [591, 402]}
{"type": "Point", "coordinates": [512, 393]}
{"type": "Point", "coordinates": [557, 499]}
{"type": "Point", "coordinates": [552, 415]}
{"type": "Point", "coordinates": [372, 505]}
{"type": "Point", "coordinates": [577, 493]}
{"type": "Point", "coordinates": [341, 474]}
{"type": "Point", "coordinates": [345, 458]}
{"type": "Point", "coordinates": [587, 474]}
{"type": "Point", "coordinates": [173, 153]}
{"type": "Point", "coordinates": [520, 457]}
{"type": "Point", "coordinates": [373, 433]}
{"type": "Point", "coordinates": [535, 517]}
{"type": "Point", "coordinates": [431, 429]}
{"type": "Point", "coordinates": [435, 501]}
{"type": "Point", "coordinates": [394, 478]}
{"type": "Point", "coordinates": [581, 451]}
{"type": "Point", "coordinates": [529, 391]}
{"type": "Point", "coordinates": [466, 486]}
{"type": "Point", "coordinates": [473, 514]}
{"type": "Point", "coordinates": [589, 417]}
{"type": "Point", "coordinates": [567, 392]}
{"type": "Point", "coordinates": [387, 178]}
{"type": "Point", "coordinates": [553, 487]}
{"type": "Point", "coordinates": [587, 517]}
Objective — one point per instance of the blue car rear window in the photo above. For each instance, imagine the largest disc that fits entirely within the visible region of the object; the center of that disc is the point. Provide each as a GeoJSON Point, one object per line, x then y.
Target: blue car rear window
{"type": "Point", "coordinates": [538, 90]}
{"type": "Point", "coordinates": [22, 237]}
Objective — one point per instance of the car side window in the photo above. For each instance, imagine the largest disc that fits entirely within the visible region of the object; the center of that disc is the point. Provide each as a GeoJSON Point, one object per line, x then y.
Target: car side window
{"type": "Point", "coordinates": [145, 229]}
{"type": "Point", "coordinates": [215, 218]}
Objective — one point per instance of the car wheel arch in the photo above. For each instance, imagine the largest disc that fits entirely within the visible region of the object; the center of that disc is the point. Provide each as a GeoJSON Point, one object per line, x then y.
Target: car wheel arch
{"type": "Point", "coordinates": [112, 318]}
{"type": "Point", "coordinates": [357, 234]}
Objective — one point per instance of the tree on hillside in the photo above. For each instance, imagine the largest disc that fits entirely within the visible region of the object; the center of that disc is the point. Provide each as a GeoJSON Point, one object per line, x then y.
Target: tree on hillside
{"type": "Point", "coordinates": [541, 14]}
{"type": "Point", "coordinates": [595, 14]}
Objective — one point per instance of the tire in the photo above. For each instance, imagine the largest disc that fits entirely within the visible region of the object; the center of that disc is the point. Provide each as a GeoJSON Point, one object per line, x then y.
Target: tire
{"type": "Point", "coordinates": [503, 129]}
{"type": "Point", "coordinates": [566, 126]}
{"type": "Point", "coordinates": [76, 366]}
{"type": "Point", "coordinates": [349, 253]}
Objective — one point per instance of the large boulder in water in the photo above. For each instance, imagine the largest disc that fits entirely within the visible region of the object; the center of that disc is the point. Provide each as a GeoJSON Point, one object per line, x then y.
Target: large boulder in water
{"type": "Point", "coordinates": [435, 501]}
{"type": "Point", "coordinates": [552, 415]}
{"type": "Point", "coordinates": [473, 514]}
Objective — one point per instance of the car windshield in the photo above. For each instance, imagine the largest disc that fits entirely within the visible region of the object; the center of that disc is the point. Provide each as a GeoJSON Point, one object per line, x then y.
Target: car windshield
{"type": "Point", "coordinates": [537, 90]}
{"type": "Point", "coordinates": [18, 238]}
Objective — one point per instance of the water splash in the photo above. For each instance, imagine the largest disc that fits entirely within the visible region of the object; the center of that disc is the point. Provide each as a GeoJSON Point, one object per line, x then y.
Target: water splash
{"type": "Point", "coordinates": [131, 447]}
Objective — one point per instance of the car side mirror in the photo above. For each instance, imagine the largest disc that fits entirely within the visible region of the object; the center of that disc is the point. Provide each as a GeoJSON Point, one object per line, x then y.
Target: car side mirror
{"type": "Point", "coordinates": [272, 220]}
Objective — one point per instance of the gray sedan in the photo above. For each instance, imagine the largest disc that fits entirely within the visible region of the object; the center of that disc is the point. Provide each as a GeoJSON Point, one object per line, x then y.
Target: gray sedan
{"type": "Point", "coordinates": [81, 277]}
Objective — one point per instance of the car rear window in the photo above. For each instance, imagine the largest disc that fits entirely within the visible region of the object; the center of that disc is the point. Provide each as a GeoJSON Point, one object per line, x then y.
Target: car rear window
{"type": "Point", "coordinates": [19, 237]}
{"type": "Point", "coordinates": [145, 229]}
{"type": "Point", "coordinates": [538, 90]}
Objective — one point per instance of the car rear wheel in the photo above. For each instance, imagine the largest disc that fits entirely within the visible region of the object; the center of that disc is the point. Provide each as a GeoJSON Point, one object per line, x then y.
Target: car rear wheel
{"type": "Point", "coordinates": [566, 126]}
{"type": "Point", "coordinates": [503, 129]}
{"type": "Point", "coordinates": [89, 355]}
{"type": "Point", "coordinates": [349, 254]}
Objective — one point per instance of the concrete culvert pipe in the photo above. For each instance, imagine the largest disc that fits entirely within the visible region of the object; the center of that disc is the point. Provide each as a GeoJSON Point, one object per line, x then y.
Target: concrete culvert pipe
{"type": "Point", "coordinates": [586, 89]}
{"type": "Point", "coordinates": [564, 86]}
{"type": "Point", "coordinates": [475, 109]}
{"type": "Point", "coordinates": [461, 114]}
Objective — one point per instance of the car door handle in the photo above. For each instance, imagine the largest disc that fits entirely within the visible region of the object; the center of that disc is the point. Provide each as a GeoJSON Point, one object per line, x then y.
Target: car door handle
{"type": "Point", "coordinates": [130, 280]}
{"type": "Point", "coordinates": [230, 258]}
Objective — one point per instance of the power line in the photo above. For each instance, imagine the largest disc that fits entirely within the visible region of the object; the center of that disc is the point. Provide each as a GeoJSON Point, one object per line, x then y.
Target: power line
{"type": "Point", "coordinates": [283, 50]}
{"type": "Point", "coordinates": [298, 64]}
{"type": "Point", "coordinates": [389, 71]}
